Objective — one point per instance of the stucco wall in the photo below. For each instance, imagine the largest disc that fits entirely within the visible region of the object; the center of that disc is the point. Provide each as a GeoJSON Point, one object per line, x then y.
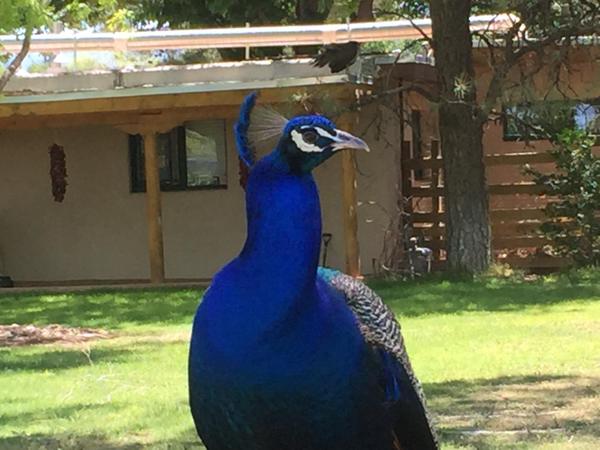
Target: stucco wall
{"type": "Point", "coordinates": [99, 231]}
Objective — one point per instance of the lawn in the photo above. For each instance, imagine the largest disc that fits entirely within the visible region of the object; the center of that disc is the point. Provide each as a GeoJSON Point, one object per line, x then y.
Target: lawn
{"type": "Point", "coordinates": [504, 365]}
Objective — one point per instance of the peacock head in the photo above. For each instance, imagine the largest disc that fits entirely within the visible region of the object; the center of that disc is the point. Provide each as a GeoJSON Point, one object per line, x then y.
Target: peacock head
{"type": "Point", "coordinates": [307, 141]}
{"type": "Point", "coordinates": [302, 143]}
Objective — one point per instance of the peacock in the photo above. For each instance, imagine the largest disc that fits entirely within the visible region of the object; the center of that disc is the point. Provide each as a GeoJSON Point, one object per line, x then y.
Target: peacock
{"type": "Point", "coordinates": [286, 355]}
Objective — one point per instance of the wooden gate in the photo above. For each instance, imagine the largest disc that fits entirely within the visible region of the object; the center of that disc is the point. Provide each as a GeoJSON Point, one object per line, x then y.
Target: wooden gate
{"type": "Point", "coordinates": [515, 229]}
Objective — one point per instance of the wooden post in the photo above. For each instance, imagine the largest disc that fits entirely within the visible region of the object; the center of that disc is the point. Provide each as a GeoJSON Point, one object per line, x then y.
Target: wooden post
{"type": "Point", "coordinates": [436, 201]}
{"type": "Point", "coordinates": [349, 185]}
{"type": "Point", "coordinates": [406, 177]}
{"type": "Point", "coordinates": [149, 128]}
{"type": "Point", "coordinates": [153, 208]}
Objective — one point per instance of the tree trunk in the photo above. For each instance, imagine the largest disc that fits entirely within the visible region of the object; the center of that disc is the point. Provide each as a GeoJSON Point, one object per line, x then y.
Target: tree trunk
{"type": "Point", "coordinates": [461, 132]}
{"type": "Point", "coordinates": [365, 11]}
{"type": "Point", "coordinates": [312, 11]}
{"type": "Point", "coordinates": [17, 60]}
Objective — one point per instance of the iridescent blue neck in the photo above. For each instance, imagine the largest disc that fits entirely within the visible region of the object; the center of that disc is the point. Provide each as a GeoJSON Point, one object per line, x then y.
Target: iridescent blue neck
{"type": "Point", "coordinates": [284, 224]}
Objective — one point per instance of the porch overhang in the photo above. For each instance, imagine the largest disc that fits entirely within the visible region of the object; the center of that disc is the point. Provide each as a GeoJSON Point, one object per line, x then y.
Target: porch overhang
{"type": "Point", "coordinates": [177, 92]}
{"type": "Point", "coordinates": [149, 101]}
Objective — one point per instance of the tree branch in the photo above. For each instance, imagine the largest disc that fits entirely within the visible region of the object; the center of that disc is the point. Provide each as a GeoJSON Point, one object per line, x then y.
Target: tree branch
{"type": "Point", "coordinates": [17, 60]}
{"type": "Point", "coordinates": [420, 30]}
{"type": "Point", "coordinates": [421, 90]}
{"type": "Point", "coordinates": [582, 22]}
{"type": "Point", "coordinates": [427, 38]}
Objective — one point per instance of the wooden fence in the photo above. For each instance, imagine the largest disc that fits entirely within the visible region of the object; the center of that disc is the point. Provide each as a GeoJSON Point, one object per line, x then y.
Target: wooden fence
{"type": "Point", "coordinates": [515, 236]}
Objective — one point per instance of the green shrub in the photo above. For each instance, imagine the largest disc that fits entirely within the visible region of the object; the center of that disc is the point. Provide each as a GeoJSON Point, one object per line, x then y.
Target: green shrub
{"type": "Point", "coordinates": [573, 222]}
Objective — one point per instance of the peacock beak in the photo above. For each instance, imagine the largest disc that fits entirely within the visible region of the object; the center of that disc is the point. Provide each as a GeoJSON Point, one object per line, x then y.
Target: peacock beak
{"type": "Point", "coordinates": [344, 140]}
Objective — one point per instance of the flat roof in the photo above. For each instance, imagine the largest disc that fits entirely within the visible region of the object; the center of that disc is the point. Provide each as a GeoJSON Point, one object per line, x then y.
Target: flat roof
{"type": "Point", "coordinates": [244, 75]}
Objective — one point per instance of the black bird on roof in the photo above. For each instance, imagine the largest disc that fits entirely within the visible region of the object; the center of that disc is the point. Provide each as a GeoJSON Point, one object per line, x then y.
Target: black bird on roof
{"type": "Point", "coordinates": [337, 56]}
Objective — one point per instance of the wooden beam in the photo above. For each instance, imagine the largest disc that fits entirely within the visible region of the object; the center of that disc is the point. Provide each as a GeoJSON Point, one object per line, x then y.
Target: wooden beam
{"type": "Point", "coordinates": [119, 119]}
{"type": "Point", "coordinates": [350, 218]}
{"type": "Point", "coordinates": [153, 208]}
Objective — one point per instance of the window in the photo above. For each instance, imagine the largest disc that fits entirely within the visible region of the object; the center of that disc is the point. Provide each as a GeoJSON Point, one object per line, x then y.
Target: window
{"type": "Point", "coordinates": [192, 156]}
{"type": "Point", "coordinates": [587, 117]}
{"type": "Point", "coordinates": [526, 121]}
{"type": "Point", "coordinates": [522, 122]}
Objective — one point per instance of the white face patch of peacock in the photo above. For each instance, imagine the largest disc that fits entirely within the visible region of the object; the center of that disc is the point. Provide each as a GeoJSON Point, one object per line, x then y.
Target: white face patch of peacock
{"type": "Point", "coordinates": [303, 145]}
{"type": "Point", "coordinates": [325, 133]}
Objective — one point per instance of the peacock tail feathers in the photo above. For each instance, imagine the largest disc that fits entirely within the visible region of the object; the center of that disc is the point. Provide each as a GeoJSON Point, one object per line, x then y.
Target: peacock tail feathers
{"type": "Point", "coordinates": [380, 328]}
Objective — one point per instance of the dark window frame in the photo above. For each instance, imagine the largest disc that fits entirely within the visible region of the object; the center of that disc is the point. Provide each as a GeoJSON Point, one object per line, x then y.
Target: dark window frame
{"type": "Point", "coordinates": [519, 137]}
{"type": "Point", "coordinates": [178, 181]}
{"type": "Point", "coordinates": [417, 142]}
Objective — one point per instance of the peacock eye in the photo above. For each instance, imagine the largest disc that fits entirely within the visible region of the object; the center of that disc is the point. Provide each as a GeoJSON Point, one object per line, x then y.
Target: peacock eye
{"type": "Point", "coordinates": [310, 137]}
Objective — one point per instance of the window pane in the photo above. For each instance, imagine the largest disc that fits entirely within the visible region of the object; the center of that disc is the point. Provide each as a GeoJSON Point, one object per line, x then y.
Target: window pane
{"type": "Point", "coordinates": [168, 163]}
{"type": "Point", "coordinates": [534, 121]}
{"type": "Point", "coordinates": [522, 122]}
{"type": "Point", "coordinates": [206, 153]}
{"type": "Point", "coordinates": [587, 117]}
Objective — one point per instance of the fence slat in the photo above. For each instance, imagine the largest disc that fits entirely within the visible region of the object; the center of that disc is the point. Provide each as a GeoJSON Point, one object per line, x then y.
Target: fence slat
{"type": "Point", "coordinates": [525, 188]}
{"type": "Point", "coordinates": [503, 159]}
{"type": "Point", "coordinates": [499, 215]}
{"type": "Point", "coordinates": [519, 242]}
{"type": "Point", "coordinates": [496, 216]}
{"type": "Point", "coordinates": [436, 244]}
{"type": "Point", "coordinates": [515, 228]}
{"type": "Point", "coordinates": [518, 159]}
{"type": "Point", "coordinates": [509, 230]}
{"type": "Point", "coordinates": [536, 262]}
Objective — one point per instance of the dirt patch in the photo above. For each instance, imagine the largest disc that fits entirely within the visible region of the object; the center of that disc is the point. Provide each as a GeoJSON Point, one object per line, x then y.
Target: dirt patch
{"type": "Point", "coordinates": [486, 413]}
{"type": "Point", "coordinates": [19, 335]}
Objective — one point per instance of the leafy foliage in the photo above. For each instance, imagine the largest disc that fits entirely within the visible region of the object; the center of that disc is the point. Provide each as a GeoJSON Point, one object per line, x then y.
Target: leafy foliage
{"type": "Point", "coordinates": [113, 15]}
{"type": "Point", "coordinates": [189, 13]}
{"type": "Point", "coordinates": [574, 219]}
{"type": "Point", "coordinates": [22, 14]}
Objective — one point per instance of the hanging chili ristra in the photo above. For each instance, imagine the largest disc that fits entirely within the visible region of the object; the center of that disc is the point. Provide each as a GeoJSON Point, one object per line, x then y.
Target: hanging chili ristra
{"type": "Point", "coordinates": [58, 172]}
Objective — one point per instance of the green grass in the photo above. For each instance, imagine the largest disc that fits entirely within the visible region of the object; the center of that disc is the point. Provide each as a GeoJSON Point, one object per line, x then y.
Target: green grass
{"type": "Point", "coordinates": [496, 356]}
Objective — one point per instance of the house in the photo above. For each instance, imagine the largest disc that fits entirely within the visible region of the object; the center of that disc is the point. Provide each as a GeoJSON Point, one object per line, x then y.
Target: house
{"type": "Point", "coordinates": [538, 82]}
{"type": "Point", "coordinates": [107, 228]}
{"type": "Point", "coordinates": [191, 220]}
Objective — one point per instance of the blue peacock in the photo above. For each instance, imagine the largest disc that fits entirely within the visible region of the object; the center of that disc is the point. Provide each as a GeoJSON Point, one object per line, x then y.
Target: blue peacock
{"type": "Point", "coordinates": [286, 355]}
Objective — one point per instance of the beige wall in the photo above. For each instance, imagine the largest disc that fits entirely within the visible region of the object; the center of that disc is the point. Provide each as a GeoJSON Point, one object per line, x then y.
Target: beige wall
{"type": "Point", "coordinates": [99, 231]}
{"type": "Point", "coordinates": [376, 182]}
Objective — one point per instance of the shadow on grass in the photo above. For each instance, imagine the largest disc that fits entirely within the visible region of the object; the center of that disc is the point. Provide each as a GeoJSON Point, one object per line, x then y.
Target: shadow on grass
{"type": "Point", "coordinates": [504, 411]}
{"type": "Point", "coordinates": [101, 309]}
{"type": "Point", "coordinates": [59, 359]}
{"type": "Point", "coordinates": [62, 441]}
{"type": "Point", "coordinates": [43, 442]}
{"type": "Point", "coordinates": [120, 309]}
{"type": "Point", "coordinates": [417, 298]}
{"type": "Point", "coordinates": [86, 442]}
{"type": "Point", "coordinates": [56, 439]}
{"type": "Point", "coordinates": [53, 358]}
{"type": "Point", "coordinates": [68, 411]}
